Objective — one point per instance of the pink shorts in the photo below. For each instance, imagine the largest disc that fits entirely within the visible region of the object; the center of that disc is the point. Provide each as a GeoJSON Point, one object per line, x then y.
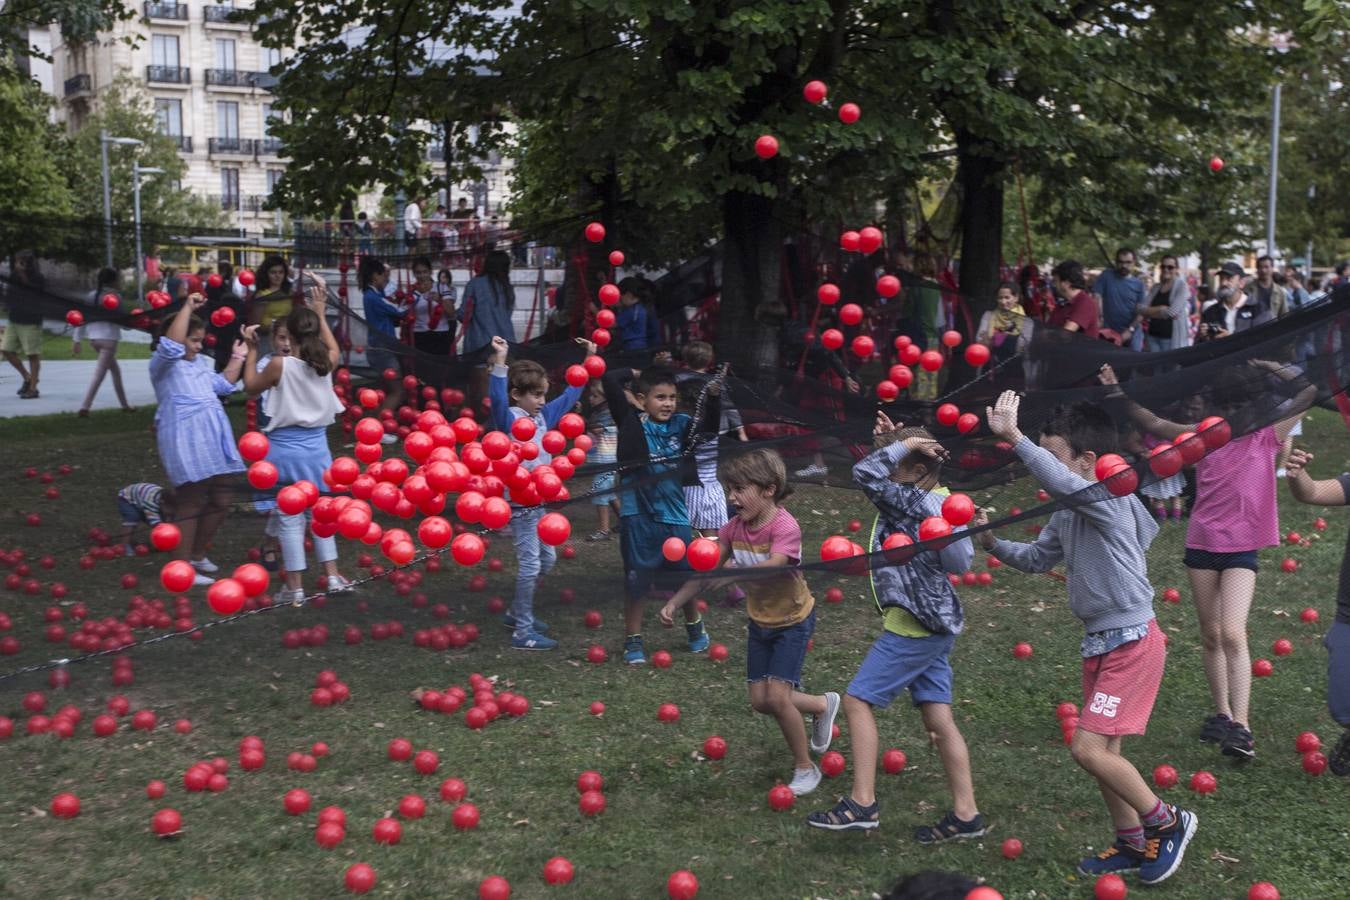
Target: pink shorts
{"type": "Point", "coordinates": [1119, 687]}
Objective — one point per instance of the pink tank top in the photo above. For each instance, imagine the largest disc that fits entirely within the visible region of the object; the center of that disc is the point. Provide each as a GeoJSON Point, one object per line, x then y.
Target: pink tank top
{"type": "Point", "coordinates": [1235, 508]}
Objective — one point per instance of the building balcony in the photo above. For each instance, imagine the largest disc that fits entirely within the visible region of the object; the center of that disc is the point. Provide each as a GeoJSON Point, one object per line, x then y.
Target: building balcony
{"type": "Point", "coordinates": [182, 141]}
{"type": "Point", "coordinates": [168, 75]}
{"type": "Point", "coordinates": [79, 85]}
{"type": "Point", "coordinates": [231, 146]}
{"type": "Point", "coordinates": [223, 15]}
{"type": "Point", "coordinates": [250, 203]}
{"type": "Point", "coordinates": [238, 78]}
{"type": "Point", "coordinates": [269, 147]}
{"type": "Point", "coordinates": [171, 12]}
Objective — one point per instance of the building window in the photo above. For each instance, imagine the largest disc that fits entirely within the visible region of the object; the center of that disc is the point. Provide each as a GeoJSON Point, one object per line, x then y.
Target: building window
{"type": "Point", "coordinates": [271, 57]}
{"type": "Point", "coordinates": [169, 116]}
{"type": "Point", "coordinates": [273, 176]}
{"type": "Point", "coordinates": [267, 120]}
{"type": "Point", "coordinates": [225, 55]}
{"type": "Point", "coordinates": [227, 120]}
{"type": "Point", "coordinates": [229, 188]}
{"type": "Point", "coordinates": [164, 50]}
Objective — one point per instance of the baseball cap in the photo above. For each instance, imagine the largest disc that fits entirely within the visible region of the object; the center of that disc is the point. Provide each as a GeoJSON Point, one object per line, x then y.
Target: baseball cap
{"type": "Point", "coordinates": [1230, 269]}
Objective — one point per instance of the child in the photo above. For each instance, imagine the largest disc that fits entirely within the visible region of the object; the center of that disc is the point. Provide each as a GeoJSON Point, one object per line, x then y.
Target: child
{"type": "Point", "coordinates": [764, 535]}
{"type": "Point", "coordinates": [634, 320]}
{"type": "Point", "coordinates": [1102, 543]}
{"type": "Point", "coordinates": [921, 617]}
{"type": "Point", "coordinates": [1234, 516]}
{"type": "Point", "coordinates": [604, 452]}
{"type": "Point", "coordinates": [271, 549]}
{"type": "Point", "coordinates": [1331, 492]}
{"type": "Point", "coordinates": [137, 503]}
{"type": "Point", "coordinates": [519, 392]}
{"type": "Point", "coordinates": [651, 503]}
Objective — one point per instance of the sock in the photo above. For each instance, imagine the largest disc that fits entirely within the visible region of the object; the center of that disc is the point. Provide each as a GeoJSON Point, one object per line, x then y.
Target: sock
{"type": "Point", "coordinates": [1132, 836]}
{"type": "Point", "coordinates": [695, 626]}
{"type": "Point", "coordinates": [633, 638]}
{"type": "Point", "coordinates": [1160, 814]}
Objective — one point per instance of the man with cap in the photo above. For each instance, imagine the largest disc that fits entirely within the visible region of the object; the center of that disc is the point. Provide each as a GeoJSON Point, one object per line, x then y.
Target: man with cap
{"type": "Point", "coordinates": [1234, 311]}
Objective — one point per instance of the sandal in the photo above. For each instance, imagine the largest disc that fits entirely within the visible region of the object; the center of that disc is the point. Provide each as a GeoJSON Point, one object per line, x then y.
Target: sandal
{"type": "Point", "coordinates": [951, 828]}
{"type": "Point", "coordinates": [847, 815]}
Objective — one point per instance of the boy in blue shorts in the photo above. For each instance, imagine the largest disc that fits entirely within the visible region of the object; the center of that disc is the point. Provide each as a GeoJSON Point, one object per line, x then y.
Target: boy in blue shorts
{"type": "Point", "coordinates": [921, 616]}
{"type": "Point", "coordinates": [654, 441]}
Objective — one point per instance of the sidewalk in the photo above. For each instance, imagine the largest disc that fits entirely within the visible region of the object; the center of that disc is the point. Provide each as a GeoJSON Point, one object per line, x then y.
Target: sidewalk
{"type": "Point", "coordinates": [63, 385]}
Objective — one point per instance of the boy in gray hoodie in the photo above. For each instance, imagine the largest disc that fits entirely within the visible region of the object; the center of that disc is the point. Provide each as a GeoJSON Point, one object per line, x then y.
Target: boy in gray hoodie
{"type": "Point", "coordinates": [1102, 541]}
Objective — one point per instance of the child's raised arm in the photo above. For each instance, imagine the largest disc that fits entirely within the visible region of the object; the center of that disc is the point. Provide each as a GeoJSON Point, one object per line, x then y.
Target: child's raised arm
{"type": "Point", "coordinates": [1306, 489]}
{"type": "Point", "coordinates": [1144, 418]}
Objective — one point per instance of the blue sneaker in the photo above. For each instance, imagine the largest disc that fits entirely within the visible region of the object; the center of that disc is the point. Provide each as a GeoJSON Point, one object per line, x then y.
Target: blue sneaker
{"type": "Point", "coordinates": [633, 653]}
{"type": "Point", "coordinates": [533, 641]}
{"type": "Point", "coordinates": [1120, 857]}
{"type": "Point", "coordinates": [698, 637]}
{"type": "Point", "coordinates": [1166, 846]}
{"type": "Point", "coordinates": [510, 622]}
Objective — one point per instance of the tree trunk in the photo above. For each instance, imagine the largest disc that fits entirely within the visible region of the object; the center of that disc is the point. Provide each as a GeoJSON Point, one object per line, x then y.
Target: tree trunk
{"type": "Point", "coordinates": [751, 312]}
{"type": "Point", "coordinates": [981, 181]}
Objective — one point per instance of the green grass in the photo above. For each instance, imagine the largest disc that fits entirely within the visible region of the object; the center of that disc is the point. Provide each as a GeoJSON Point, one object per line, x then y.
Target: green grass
{"type": "Point", "coordinates": [667, 808]}
{"type": "Point", "coordinates": [58, 347]}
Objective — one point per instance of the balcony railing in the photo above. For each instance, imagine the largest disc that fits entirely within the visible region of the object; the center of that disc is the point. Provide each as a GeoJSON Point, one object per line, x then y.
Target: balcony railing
{"type": "Point", "coordinates": [79, 84]}
{"type": "Point", "coordinates": [221, 14]}
{"type": "Point", "coordinates": [168, 74]}
{"type": "Point", "coordinates": [252, 203]}
{"type": "Point", "coordinates": [269, 147]}
{"type": "Point", "coordinates": [182, 141]}
{"type": "Point", "coordinates": [232, 78]}
{"type": "Point", "coordinates": [233, 146]}
{"type": "Point", "coordinates": [175, 11]}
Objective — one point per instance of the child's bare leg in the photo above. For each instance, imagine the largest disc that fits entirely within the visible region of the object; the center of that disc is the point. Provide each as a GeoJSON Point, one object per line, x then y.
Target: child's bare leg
{"type": "Point", "coordinates": [604, 518]}
{"type": "Point", "coordinates": [809, 703]}
{"type": "Point", "coordinates": [1125, 791]}
{"type": "Point", "coordinates": [632, 616]}
{"type": "Point", "coordinates": [862, 734]}
{"type": "Point", "coordinates": [127, 532]}
{"type": "Point", "coordinates": [951, 747]}
{"type": "Point", "coordinates": [774, 698]}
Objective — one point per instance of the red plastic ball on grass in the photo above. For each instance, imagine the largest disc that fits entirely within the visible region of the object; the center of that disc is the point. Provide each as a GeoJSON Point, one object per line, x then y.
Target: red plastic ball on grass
{"type": "Point", "coordinates": [166, 822]}
{"type": "Point", "coordinates": [596, 654]}
{"type": "Point", "coordinates": [718, 652]}
{"type": "Point", "coordinates": [682, 885]}
{"type": "Point", "coordinates": [662, 659]}
{"type": "Point", "coordinates": [1289, 565]}
{"type": "Point", "coordinates": [1204, 783]}
{"type": "Point", "coordinates": [226, 597]}
{"type": "Point", "coordinates": [465, 816]}
{"type": "Point", "coordinates": [144, 720]}
{"type": "Point", "coordinates": [832, 763]}
{"type": "Point", "coordinates": [558, 870]}
{"type": "Point", "coordinates": [65, 806]}
{"type": "Point", "coordinates": [781, 798]}
{"type": "Point", "coordinates": [494, 887]}
{"type": "Point", "coordinates": [1309, 615]}
{"type": "Point", "coordinates": [360, 878]}
{"type": "Point", "coordinates": [1064, 710]}
{"type": "Point", "coordinates": [1263, 890]}
{"type": "Point", "coordinates": [590, 780]}
{"type": "Point", "coordinates": [893, 761]}
{"type": "Point", "coordinates": [329, 834]}
{"type": "Point", "coordinates": [1262, 668]}
{"type": "Point", "coordinates": [1165, 776]}
{"type": "Point", "coordinates": [296, 801]}
{"type": "Point", "coordinates": [1109, 887]}
{"type": "Point", "coordinates": [399, 749]}
{"type": "Point", "coordinates": [849, 113]}
{"type": "Point", "coordinates": [387, 831]}
{"type": "Point", "coordinates": [668, 712]}
{"type": "Point", "coordinates": [177, 576]}
{"type": "Point", "coordinates": [426, 762]}
{"type": "Point", "coordinates": [1314, 762]}
{"type": "Point", "coordinates": [1011, 849]}
{"type": "Point", "coordinates": [165, 536]}
{"type": "Point", "coordinates": [1307, 741]}
{"type": "Point", "coordinates": [1022, 650]}
{"type": "Point", "coordinates": [715, 747]}
{"type": "Point", "coordinates": [1282, 647]}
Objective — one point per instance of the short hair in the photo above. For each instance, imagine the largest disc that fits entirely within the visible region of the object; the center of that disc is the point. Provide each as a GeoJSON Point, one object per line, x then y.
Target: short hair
{"type": "Point", "coordinates": [761, 467]}
{"type": "Point", "coordinates": [1071, 270]}
{"type": "Point", "coordinates": [526, 375]}
{"type": "Point", "coordinates": [636, 285]}
{"type": "Point", "coordinates": [1129, 250]}
{"type": "Point", "coordinates": [1342, 266]}
{"type": "Point", "coordinates": [904, 434]}
{"type": "Point", "coordinates": [652, 377]}
{"type": "Point", "coordinates": [932, 885]}
{"type": "Point", "coordinates": [1264, 257]}
{"type": "Point", "coordinates": [698, 354]}
{"type": "Point", "coordinates": [1084, 426]}
{"type": "Point", "coordinates": [422, 261]}
{"type": "Point", "coordinates": [108, 277]}
{"type": "Point", "coordinates": [1007, 286]}
{"type": "Point", "coordinates": [1166, 256]}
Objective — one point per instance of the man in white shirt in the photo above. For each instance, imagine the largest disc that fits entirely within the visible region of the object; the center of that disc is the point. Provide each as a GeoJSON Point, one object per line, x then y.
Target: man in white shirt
{"type": "Point", "coordinates": [412, 224]}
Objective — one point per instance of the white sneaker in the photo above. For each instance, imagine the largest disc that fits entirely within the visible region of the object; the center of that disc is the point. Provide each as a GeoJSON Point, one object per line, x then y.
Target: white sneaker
{"type": "Point", "coordinates": [205, 566]}
{"type": "Point", "coordinates": [822, 726]}
{"type": "Point", "coordinates": [804, 781]}
{"type": "Point", "coordinates": [200, 580]}
{"type": "Point", "coordinates": [811, 472]}
{"type": "Point", "coordinates": [285, 595]}
{"type": "Point", "coordinates": [388, 438]}
{"type": "Point", "coordinates": [338, 585]}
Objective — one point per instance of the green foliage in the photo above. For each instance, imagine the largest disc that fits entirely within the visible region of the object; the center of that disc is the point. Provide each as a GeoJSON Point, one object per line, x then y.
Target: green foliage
{"type": "Point", "coordinates": [125, 111]}
{"type": "Point", "coordinates": [31, 179]}
{"type": "Point", "coordinates": [80, 21]}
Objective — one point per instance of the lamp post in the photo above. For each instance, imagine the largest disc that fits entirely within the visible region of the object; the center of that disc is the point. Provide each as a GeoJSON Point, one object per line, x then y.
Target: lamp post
{"type": "Point", "coordinates": [104, 139]}
{"type": "Point", "coordinates": [137, 170]}
{"type": "Point", "coordinates": [1281, 45]}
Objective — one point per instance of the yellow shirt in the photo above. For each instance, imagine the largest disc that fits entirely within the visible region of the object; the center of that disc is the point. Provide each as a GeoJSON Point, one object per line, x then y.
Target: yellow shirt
{"type": "Point", "coordinates": [780, 600]}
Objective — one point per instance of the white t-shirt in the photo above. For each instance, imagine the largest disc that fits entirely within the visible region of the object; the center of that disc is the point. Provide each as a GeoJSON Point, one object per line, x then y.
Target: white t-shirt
{"type": "Point", "coordinates": [423, 304]}
{"type": "Point", "coordinates": [97, 331]}
{"type": "Point", "coordinates": [412, 218]}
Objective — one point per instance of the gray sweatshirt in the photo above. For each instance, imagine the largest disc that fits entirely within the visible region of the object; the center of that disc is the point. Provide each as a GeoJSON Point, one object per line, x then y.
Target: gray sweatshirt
{"type": "Point", "coordinates": [1102, 545]}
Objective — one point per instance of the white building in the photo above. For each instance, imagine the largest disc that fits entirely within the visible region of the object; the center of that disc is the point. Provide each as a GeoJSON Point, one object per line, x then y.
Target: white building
{"type": "Point", "coordinates": [210, 84]}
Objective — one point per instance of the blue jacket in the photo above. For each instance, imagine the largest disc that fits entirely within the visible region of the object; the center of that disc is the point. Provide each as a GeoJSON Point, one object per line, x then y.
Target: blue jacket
{"type": "Point", "coordinates": [504, 414]}
{"type": "Point", "coordinates": [485, 312]}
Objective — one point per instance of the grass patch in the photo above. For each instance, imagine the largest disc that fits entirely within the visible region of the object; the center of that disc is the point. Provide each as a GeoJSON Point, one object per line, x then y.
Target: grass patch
{"type": "Point", "coordinates": [667, 809]}
{"type": "Point", "coordinates": [57, 347]}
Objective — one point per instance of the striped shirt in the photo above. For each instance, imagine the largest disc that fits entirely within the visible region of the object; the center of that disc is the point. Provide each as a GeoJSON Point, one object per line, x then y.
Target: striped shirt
{"type": "Point", "coordinates": [146, 497]}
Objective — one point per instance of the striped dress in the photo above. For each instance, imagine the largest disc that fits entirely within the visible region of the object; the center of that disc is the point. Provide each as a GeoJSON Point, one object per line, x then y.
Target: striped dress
{"type": "Point", "coordinates": [706, 500]}
{"type": "Point", "coordinates": [194, 436]}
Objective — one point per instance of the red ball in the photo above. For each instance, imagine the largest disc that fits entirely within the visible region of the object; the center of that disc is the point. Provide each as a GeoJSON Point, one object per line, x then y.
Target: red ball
{"type": "Point", "coordinates": [253, 445]}
{"type": "Point", "coordinates": [596, 654]}
{"type": "Point", "coordinates": [360, 878]}
{"type": "Point", "coordinates": [1204, 783]}
{"type": "Point", "coordinates": [296, 801]}
{"type": "Point", "coordinates": [781, 798]}
{"type": "Point", "coordinates": [1307, 741]}
{"type": "Point", "coordinates": [662, 659]}
{"type": "Point", "coordinates": [863, 346]}
{"type": "Point", "coordinates": [1282, 647]}
{"type": "Point", "coordinates": [977, 355]}
{"type": "Point", "coordinates": [1309, 615]}
{"type": "Point", "coordinates": [590, 780]}
{"type": "Point", "coordinates": [554, 528]}
{"type": "Point", "coordinates": [682, 885]}
{"type": "Point", "coordinates": [558, 870]}
{"type": "Point", "coordinates": [668, 712]}
{"type": "Point", "coordinates": [1109, 887]}
{"type": "Point", "coordinates": [766, 146]}
{"type": "Point", "coordinates": [703, 554]}
{"type": "Point", "coordinates": [967, 422]}
{"type": "Point", "coordinates": [718, 652]}
{"type": "Point", "coordinates": [832, 763]}
{"type": "Point", "coordinates": [893, 761]}
{"type": "Point", "coordinates": [1263, 890]}
{"type": "Point", "coordinates": [1262, 668]}
{"type": "Point", "coordinates": [849, 113]}
{"type": "Point", "coordinates": [166, 822]}
{"type": "Point", "coordinates": [1022, 650]}
{"type": "Point", "coordinates": [494, 887]}
{"type": "Point", "coordinates": [597, 708]}
{"type": "Point", "coordinates": [1012, 848]}
{"type": "Point", "coordinates": [1215, 164]}
{"type": "Point", "coordinates": [1314, 762]}
{"type": "Point", "coordinates": [387, 831]}
{"type": "Point", "coordinates": [426, 762]}
{"type": "Point", "coordinates": [1164, 776]}
{"type": "Point", "coordinates": [715, 747]}
{"type": "Point", "coordinates": [329, 834]}
{"type": "Point", "coordinates": [814, 92]}
{"type": "Point", "coordinates": [930, 360]}
{"type": "Point", "coordinates": [65, 806]}
{"type": "Point", "coordinates": [888, 286]}
{"type": "Point", "coordinates": [465, 816]}
{"type": "Point", "coordinates": [595, 232]}
{"type": "Point", "coordinates": [828, 294]}
{"type": "Point", "coordinates": [832, 339]}
{"type": "Point", "coordinates": [155, 789]}
{"type": "Point", "coordinates": [933, 528]}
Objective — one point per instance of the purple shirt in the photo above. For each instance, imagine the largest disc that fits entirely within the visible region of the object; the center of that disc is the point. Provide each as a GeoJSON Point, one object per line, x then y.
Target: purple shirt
{"type": "Point", "coordinates": [1235, 509]}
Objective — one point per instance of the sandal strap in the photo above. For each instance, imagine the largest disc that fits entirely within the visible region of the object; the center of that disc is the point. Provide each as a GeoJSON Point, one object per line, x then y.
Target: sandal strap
{"type": "Point", "coordinates": [846, 812]}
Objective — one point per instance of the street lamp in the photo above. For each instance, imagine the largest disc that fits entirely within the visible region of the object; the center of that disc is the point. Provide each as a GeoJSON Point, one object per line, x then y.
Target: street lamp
{"type": "Point", "coordinates": [1281, 43]}
{"type": "Point", "coordinates": [137, 170]}
{"type": "Point", "coordinates": [104, 139]}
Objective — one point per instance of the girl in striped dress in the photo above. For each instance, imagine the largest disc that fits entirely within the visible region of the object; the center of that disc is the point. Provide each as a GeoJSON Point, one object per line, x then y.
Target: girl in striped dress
{"type": "Point", "coordinates": [302, 405]}
{"type": "Point", "coordinates": [196, 444]}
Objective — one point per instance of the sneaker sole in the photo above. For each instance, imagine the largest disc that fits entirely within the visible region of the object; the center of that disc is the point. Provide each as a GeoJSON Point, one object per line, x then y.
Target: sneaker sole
{"type": "Point", "coordinates": [1192, 821]}
{"type": "Point", "coordinates": [961, 836]}
{"type": "Point", "coordinates": [829, 726]}
{"type": "Point", "coordinates": [534, 649]}
{"type": "Point", "coordinates": [851, 826]}
{"type": "Point", "coordinates": [1129, 870]}
{"type": "Point", "coordinates": [1240, 753]}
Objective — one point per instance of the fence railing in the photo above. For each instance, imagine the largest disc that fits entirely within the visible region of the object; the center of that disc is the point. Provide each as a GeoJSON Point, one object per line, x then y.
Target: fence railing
{"type": "Point", "coordinates": [168, 74]}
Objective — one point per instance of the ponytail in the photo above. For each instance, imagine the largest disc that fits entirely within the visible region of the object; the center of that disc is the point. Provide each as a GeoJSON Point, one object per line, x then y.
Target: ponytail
{"type": "Point", "coordinates": [307, 339]}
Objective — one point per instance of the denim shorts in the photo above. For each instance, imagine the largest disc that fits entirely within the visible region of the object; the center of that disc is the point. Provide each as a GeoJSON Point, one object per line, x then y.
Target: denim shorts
{"type": "Point", "coordinates": [644, 565]}
{"type": "Point", "coordinates": [895, 663]}
{"type": "Point", "coordinates": [131, 515]}
{"type": "Point", "coordinates": [1217, 562]}
{"type": "Point", "coordinates": [778, 653]}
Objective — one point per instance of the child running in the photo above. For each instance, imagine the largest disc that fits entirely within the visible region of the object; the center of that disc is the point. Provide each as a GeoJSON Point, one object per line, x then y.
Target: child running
{"type": "Point", "coordinates": [519, 392]}
{"type": "Point", "coordinates": [921, 617]}
{"type": "Point", "coordinates": [1331, 492]}
{"type": "Point", "coordinates": [1102, 543]}
{"type": "Point", "coordinates": [764, 535]}
{"type": "Point", "coordinates": [653, 438]}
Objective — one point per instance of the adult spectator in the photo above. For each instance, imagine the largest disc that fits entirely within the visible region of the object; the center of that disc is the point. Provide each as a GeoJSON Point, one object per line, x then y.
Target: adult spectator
{"type": "Point", "coordinates": [1233, 311]}
{"type": "Point", "coordinates": [433, 308]}
{"type": "Point", "coordinates": [1075, 309]}
{"type": "Point", "coordinates": [1342, 272]}
{"type": "Point", "coordinates": [1121, 293]}
{"type": "Point", "coordinates": [484, 312]}
{"type": "Point", "coordinates": [104, 336]}
{"type": "Point", "coordinates": [1165, 312]}
{"type": "Point", "coordinates": [273, 299]}
{"type": "Point", "coordinates": [462, 209]}
{"type": "Point", "coordinates": [1268, 295]}
{"type": "Point", "coordinates": [1295, 290]}
{"type": "Point", "coordinates": [383, 318]}
{"type": "Point", "coordinates": [412, 224]}
{"type": "Point", "coordinates": [24, 334]}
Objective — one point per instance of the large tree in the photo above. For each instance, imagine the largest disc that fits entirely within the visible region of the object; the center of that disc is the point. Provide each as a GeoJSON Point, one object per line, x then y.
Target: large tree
{"type": "Point", "coordinates": [32, 184]}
